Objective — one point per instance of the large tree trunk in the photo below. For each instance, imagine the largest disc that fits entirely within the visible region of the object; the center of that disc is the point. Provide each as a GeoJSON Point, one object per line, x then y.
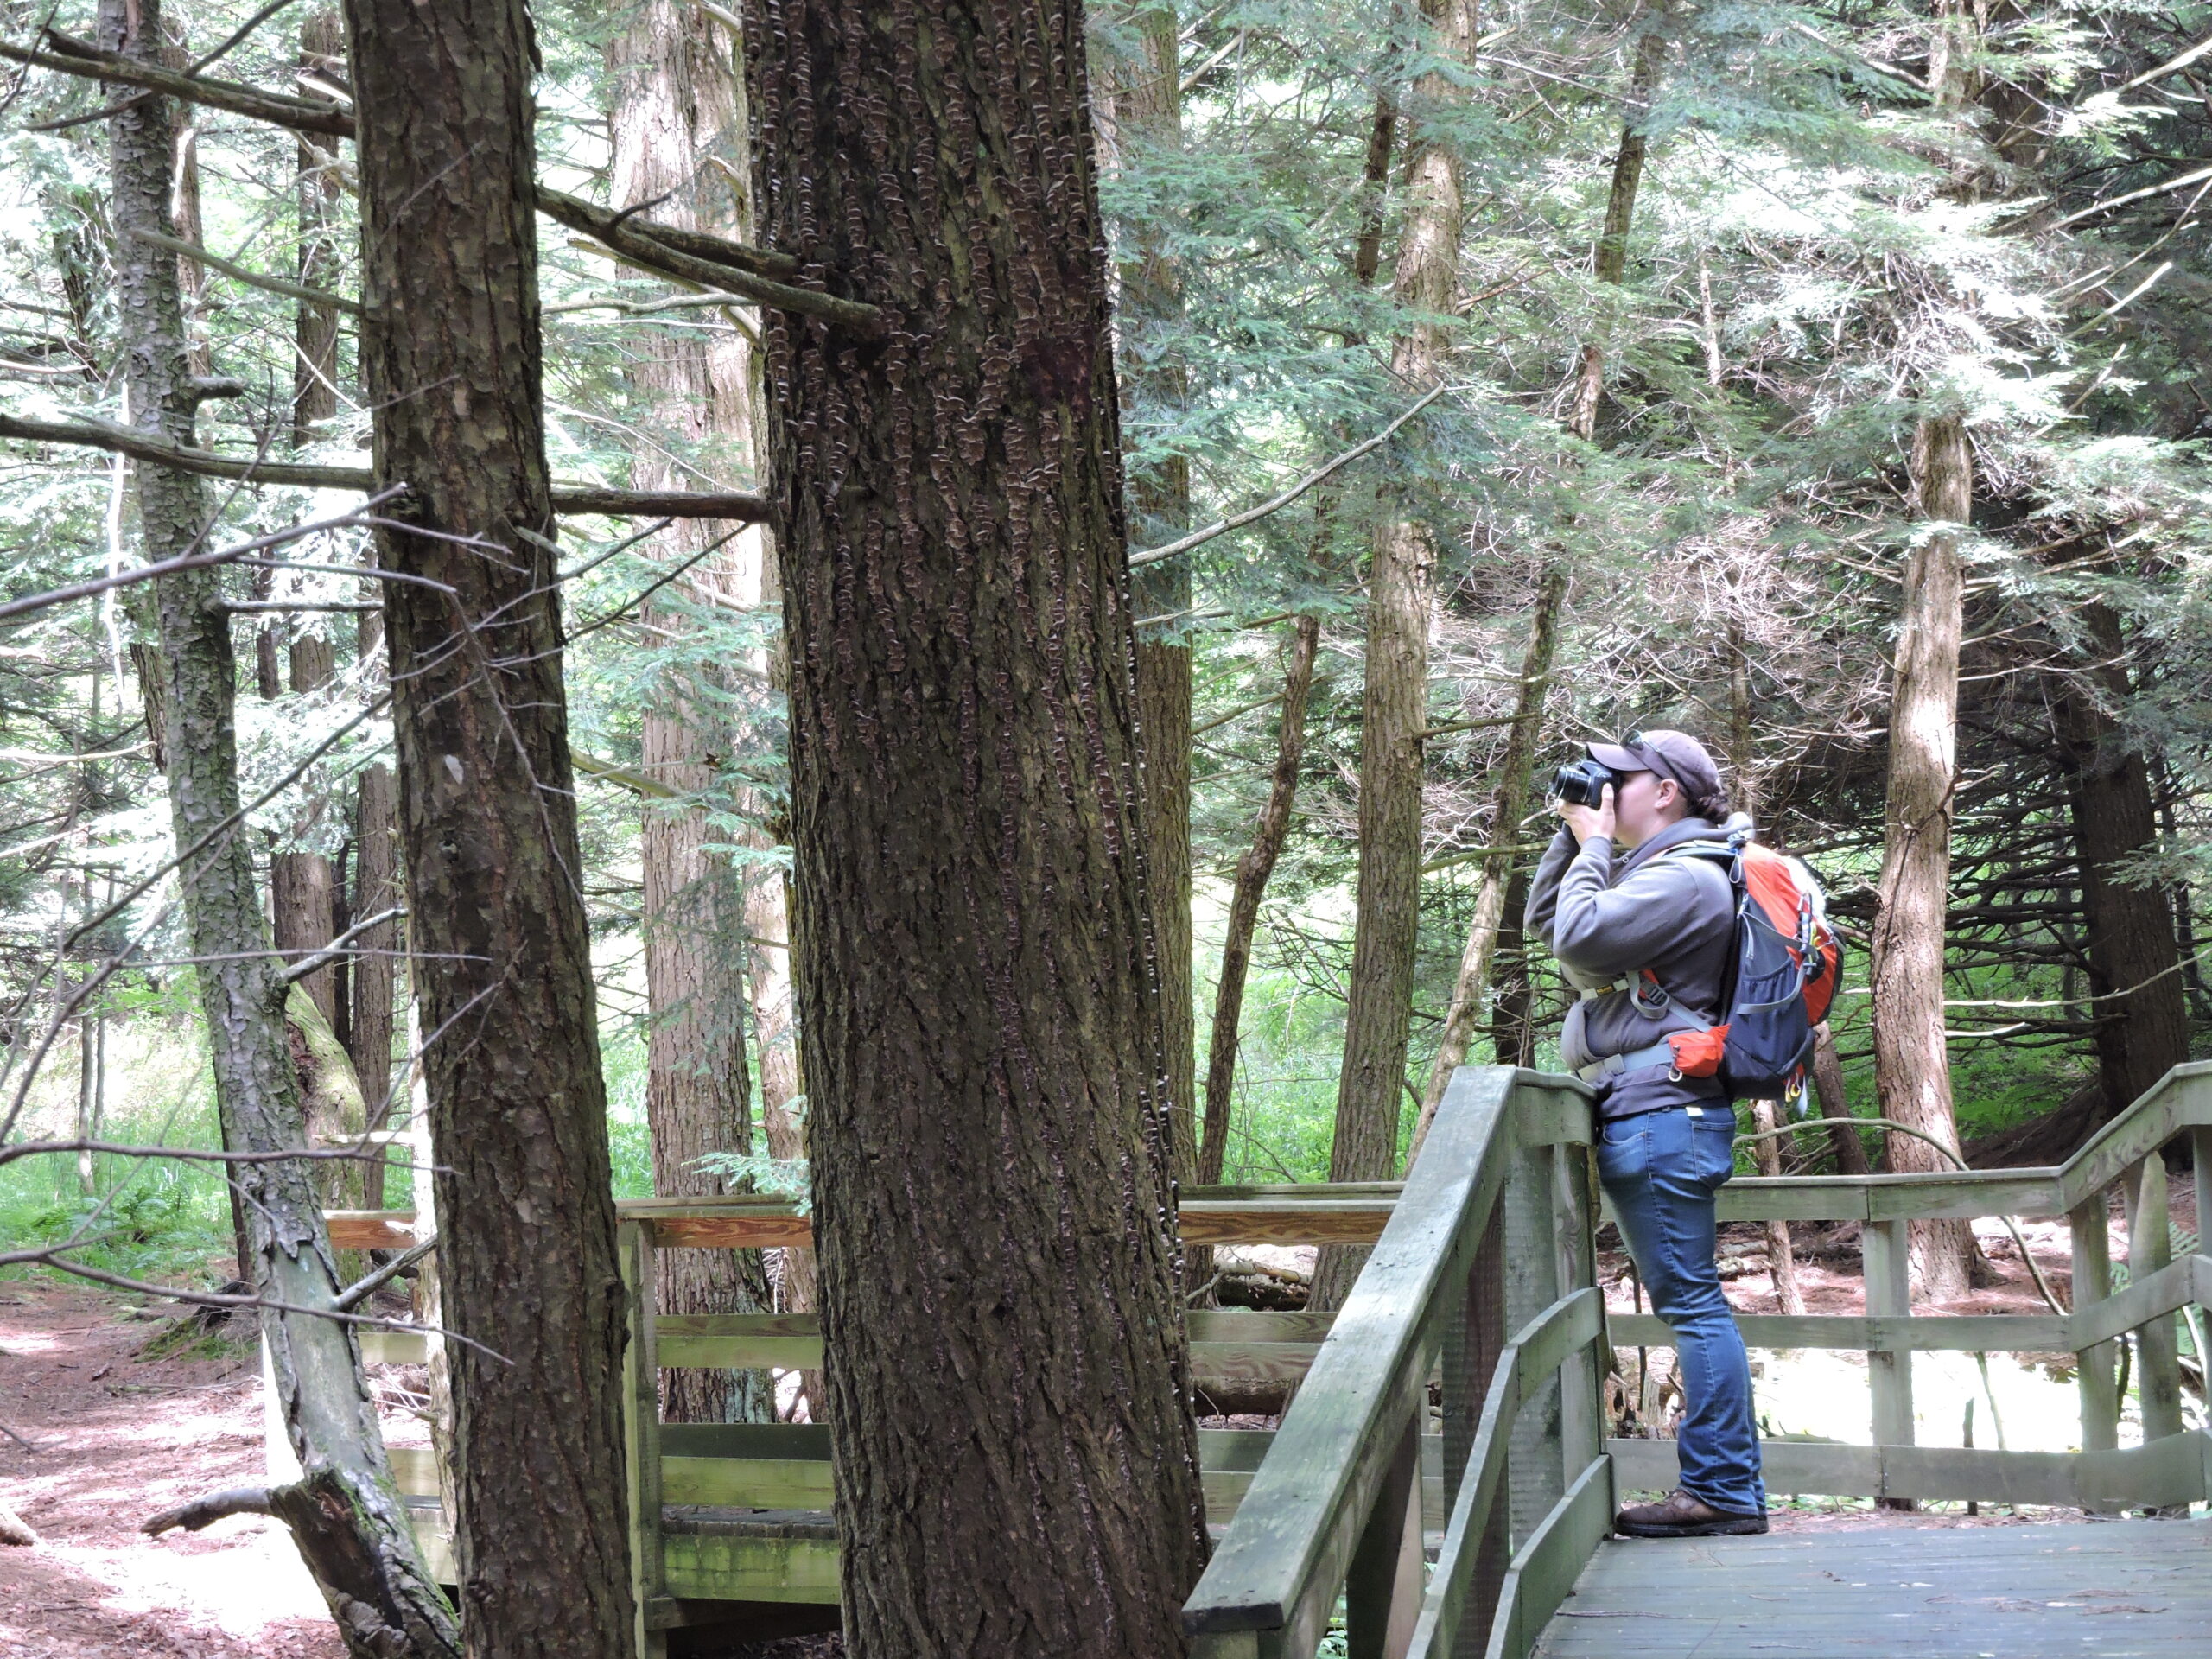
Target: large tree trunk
{"type": "Point", "coordinates": [1472, 989]}
{"type": "Point", "coordinates": [517, 1104]}
{"type": "Point", "coordinates": [1253, 871]}
{"type": "Point", "coordinates": [1394, 708]}
{"type": "Point", "coordinates": [354, 1535]}
{"type": "Point", "coordinates": [2142, 1013]}
{"type": "Point", "coordinates": [1912, 1067]}
{"type": "Point", "coordinates": [977, 996]}
{"type": "Point", "coordinates": [1145, 100]}
{"type": "Point", "coordinates": [674, 102]}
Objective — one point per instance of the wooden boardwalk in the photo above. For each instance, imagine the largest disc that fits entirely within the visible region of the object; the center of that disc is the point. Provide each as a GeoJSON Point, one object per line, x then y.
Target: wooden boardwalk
{"type": "Point", "coordinates": [2106, 1588]}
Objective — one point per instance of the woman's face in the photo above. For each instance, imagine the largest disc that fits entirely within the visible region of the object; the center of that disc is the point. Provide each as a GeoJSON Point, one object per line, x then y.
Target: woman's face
{"type": "Point", "coordinates": [1644, 804]}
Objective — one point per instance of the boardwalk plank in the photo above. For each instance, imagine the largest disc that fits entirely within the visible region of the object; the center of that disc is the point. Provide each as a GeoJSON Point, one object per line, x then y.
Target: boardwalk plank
{"type": "Point", "coordinates": [2111, 1589]}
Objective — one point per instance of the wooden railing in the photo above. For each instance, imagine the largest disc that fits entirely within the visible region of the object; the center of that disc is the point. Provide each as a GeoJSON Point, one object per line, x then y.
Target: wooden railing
{"type": "Point", "coordinates": [1493, 1231]}
{"type": "Point", "coordinates": [1492, 1235]}
{"type": "Point", "coordinates": [2169, 1467]}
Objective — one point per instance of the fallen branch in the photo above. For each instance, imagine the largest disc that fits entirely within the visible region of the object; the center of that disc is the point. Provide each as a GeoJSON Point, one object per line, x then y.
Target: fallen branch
{"type": "Point", "coordinates": [14, 1529]}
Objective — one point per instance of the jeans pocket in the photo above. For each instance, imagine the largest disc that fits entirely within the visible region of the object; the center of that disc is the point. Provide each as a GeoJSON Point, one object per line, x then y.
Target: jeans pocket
{"type": "Point", "coordinates": [1623, 1150]}
{"type": "Point", "coordinates": [1716, 1140]}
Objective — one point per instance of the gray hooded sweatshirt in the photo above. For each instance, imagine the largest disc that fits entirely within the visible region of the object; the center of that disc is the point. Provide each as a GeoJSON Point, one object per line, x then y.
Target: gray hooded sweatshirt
{"type": "Point", "coordinates": [1605, 915]}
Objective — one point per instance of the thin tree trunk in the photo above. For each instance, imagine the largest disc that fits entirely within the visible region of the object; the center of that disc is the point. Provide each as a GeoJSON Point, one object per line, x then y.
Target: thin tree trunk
{"type": "Point", "coordinates": [1145, 100]}
{"type": "Point", "coordinates": [2142, 1015]}
{"type": "Point", "coordinates": [1782, 1259]}
{"type": "Point", "coordinates": [1393, 707]}
{"type": "Point", "coordinates": [1512, 1021]}
{"type": "Point", "coordinates": [1253, 871]}
{"type": "Point", "coordinates": [377, 888]}
{"type": "Point", "coordinates": [973, 921]}
{"type": "Point", "coordinates": [345, 1514]}
{"type": "Point", "coordinates": [303, 884]}
{"type": "Point", "coordinates": [1471, 988]}
{"type": "Point", "coordinates": [1912, 1069]}
{"type": "Point", "coordinates": [1471, 991]}
{"type": "Point", "coordinates": [674, 102]}
{"type": "Point", "coordinates": [517, 1104]}
{"type": "Point", "coordinates": [318, 195]}
{"type": "Point", "coordinates": [1256, 867]}
{"type": "Point", "coordinates": [1829, 1089]}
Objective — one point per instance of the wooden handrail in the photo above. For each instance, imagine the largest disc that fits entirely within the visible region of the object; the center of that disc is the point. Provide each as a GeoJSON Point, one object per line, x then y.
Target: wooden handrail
{"type": "Point", "coordinates": [1275, 1577]}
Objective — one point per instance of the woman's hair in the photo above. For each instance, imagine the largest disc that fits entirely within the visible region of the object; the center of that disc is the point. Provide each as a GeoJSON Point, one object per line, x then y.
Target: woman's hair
{"type": "Point", "coordinates": [1714, 808]}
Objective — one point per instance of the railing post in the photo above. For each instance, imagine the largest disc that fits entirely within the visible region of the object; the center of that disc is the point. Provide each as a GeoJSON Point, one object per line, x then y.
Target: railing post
{"type": "Point", "coordinates": [1384, 1585]}
{"type": "Point", "coordinates": [1582, 1421]}
{"type": "Point", "coordinates": [1882, 1251]}
{"type": "Point", "coordinates": [1473, 1340]}
{"type": "Point", "coordinates": [1536, 1471]}
{"type": "Point", "coordinates": [2150, 1247]}
{"type": "Point", "coordinates": [641, 1429]}
{"type": "Point", "coordinates": [2087, 1224]}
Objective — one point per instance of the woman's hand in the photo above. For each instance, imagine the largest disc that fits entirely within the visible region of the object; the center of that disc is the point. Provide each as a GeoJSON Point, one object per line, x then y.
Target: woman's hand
{"type": "Point", "coordinates": [1588, 821]}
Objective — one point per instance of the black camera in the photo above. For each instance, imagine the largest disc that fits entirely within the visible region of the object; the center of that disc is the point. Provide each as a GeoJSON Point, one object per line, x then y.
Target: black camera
{"type": "Point", "coordinates": [1583, 783]}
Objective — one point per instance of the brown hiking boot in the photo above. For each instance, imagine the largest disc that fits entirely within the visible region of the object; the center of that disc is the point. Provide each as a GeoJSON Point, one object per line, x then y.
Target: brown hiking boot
{"type": "Point", "coordinates": [1681, 1515]}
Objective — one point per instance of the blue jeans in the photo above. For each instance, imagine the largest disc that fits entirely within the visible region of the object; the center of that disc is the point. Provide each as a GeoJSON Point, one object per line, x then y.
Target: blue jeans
{"type": "Point", "coordinates": [1661, 1170]}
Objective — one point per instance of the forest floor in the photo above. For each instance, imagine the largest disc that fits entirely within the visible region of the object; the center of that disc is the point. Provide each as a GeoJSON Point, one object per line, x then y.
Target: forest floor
{"type": "Point", "coordinates": [118, 1436]}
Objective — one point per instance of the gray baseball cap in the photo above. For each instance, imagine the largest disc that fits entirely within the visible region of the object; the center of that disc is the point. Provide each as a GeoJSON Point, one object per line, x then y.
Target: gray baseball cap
{"type": "Point", "coordinates": [1671, 754]}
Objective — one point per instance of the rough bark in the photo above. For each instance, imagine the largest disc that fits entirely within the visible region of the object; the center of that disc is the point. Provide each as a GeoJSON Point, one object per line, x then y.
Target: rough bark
{"type": "Point", "coordinates": [517, 1102]}
{"type": "Point", "coordinates": [1471, 990]}
{"type": "Point", "coordinates": [1146, 122]}
{"type": "Point", "coordinates": [1912, 1068]}
{"type": "Point", "coordinates": [1253, 871]}
{"type": "Point", "coordinates": [355, 1536]}
{"type": "Point", "coordinates": [972, 918]}
{"type": "Point", "coordinates": [2142, 1014]}
{"type": "Point", "coordinates": [674, 103]}
{"type": "Point", "coordinates": [1394, 705]}
{"type": "Point", "coordinates": [303, 884]}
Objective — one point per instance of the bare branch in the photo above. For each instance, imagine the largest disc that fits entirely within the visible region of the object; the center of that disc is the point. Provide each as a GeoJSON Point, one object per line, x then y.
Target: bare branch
{"type": "Point", "coordinates": [190, 560]}
{"type": "Point", "coordinates": [206, 1511]}
{"type": "Point", "coordinates": [734, 268]}
{"type": "Point", "coordinates": [336, 948]}
{"type": "Point", "coordinates": [1237, 521]}
{"type": "Point", "coordinates": [361, 1289]}
{"type": "Point", "coordinates": [566, 498]}
{"type": "Point", "coordinates": [198, 255]}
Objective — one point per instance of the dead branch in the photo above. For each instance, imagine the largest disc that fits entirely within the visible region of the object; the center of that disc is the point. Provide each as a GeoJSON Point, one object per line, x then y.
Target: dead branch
{"type": "Point", "coordinates": [206, 1511]}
